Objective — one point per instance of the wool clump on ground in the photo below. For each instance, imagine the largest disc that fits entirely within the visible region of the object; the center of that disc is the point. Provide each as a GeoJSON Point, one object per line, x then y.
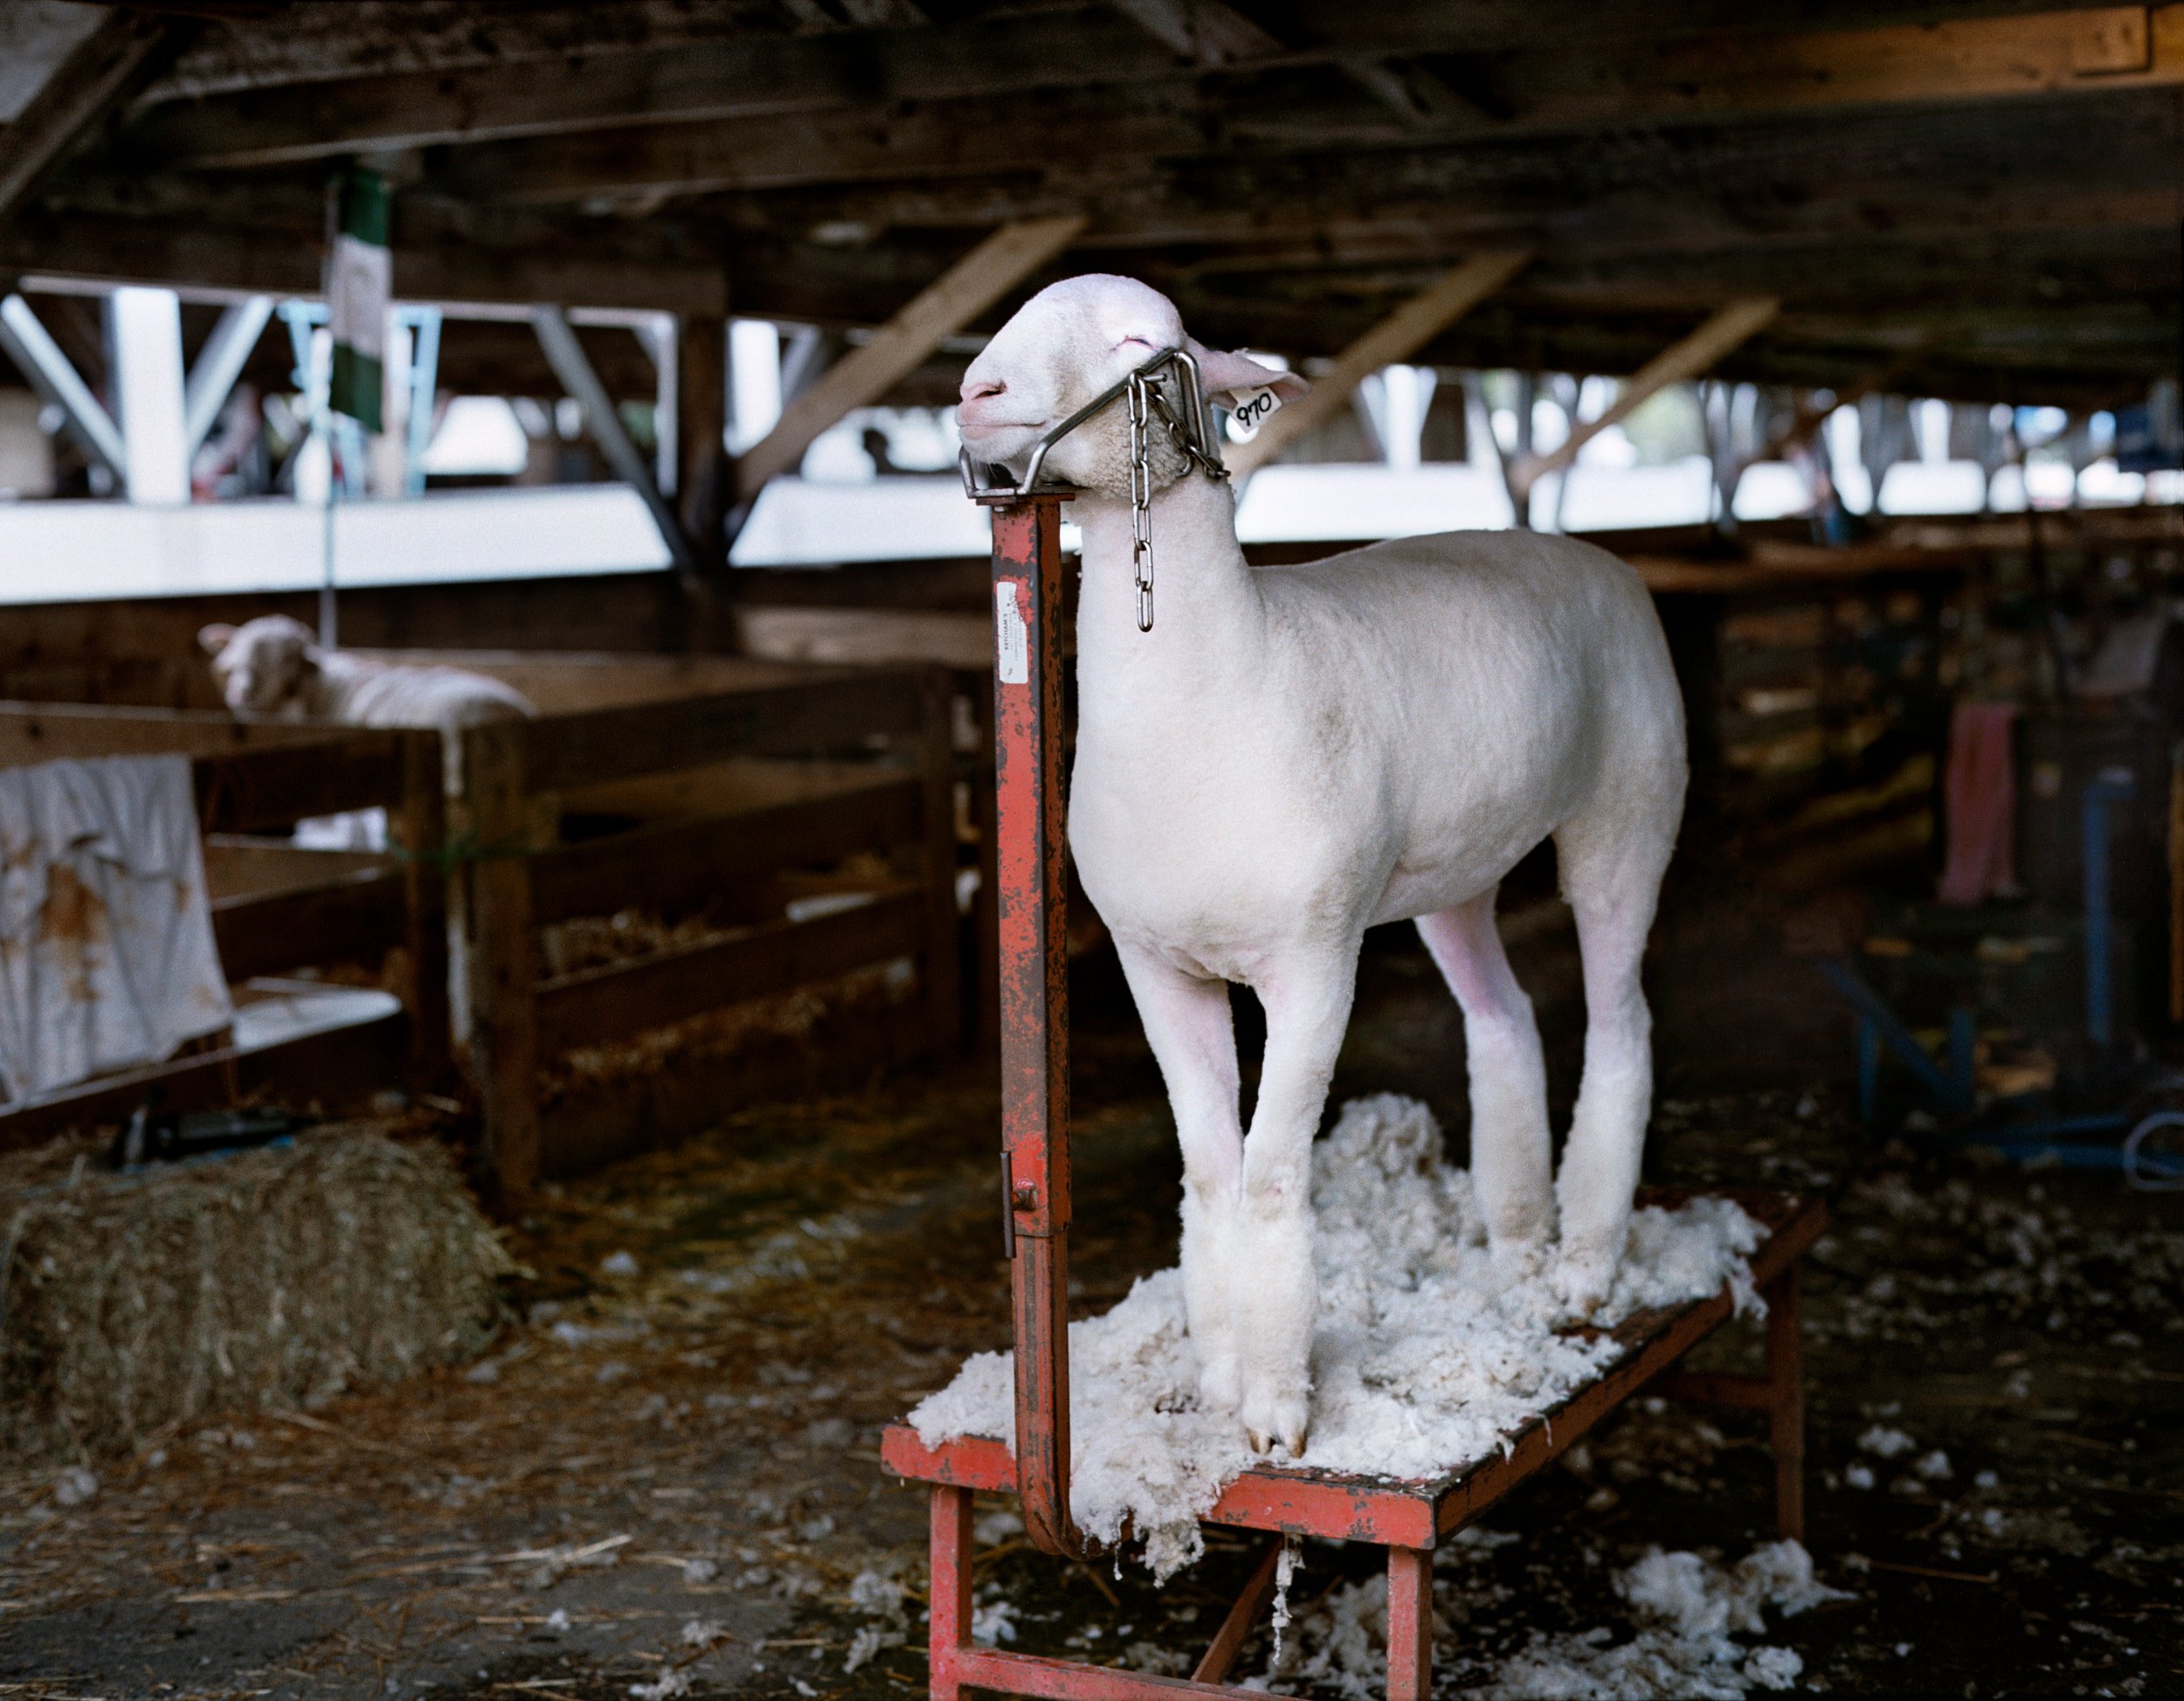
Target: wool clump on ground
{"type": "Point", "coordinates": [1423, 1359]}
{"type": "Point", "coordinates": [1688, 1613]}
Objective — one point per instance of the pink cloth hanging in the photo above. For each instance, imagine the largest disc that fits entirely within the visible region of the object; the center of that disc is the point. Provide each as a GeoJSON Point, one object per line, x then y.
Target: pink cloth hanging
{"type": "Point", "coordinates": [1981, 796]}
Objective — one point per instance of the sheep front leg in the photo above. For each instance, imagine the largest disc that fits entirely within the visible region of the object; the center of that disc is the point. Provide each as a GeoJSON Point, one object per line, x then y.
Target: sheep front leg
{"type": "Point", "coordinates": [1192, 1035]}
{"type": "Point", "coordinates": [1511, 1155]}
{"type": "Point", "coordinates": [1275, 1291]}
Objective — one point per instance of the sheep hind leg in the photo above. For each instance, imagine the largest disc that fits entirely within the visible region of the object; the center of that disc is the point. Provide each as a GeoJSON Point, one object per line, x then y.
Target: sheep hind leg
{"type": "Point", "coordinates": [1274, 1292]}
{"type": "Point", "coordinates": [1193, 1037]}
{"type": "Point", "coordinates": [1614, 898]}
{"type": "Point", "coordinates": [1510, 1152]}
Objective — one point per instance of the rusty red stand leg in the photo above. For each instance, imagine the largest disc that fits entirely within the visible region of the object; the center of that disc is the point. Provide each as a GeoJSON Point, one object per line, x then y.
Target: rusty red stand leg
{"type": "Point", "coordinates": [1031, 889]}
{"type": "Point", "coordinates": [950, 1603]}
{"type": "Point", "coordinates": [1409, 1623]}
{"type": "Point", "coordinates": [1786, 1405]}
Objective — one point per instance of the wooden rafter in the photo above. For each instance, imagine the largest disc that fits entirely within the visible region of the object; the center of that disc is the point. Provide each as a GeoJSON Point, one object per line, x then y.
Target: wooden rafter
{"type": "Point", "coordinates": [1160, 50]}
{"type": "Point", "coordinates": [1725, 331]}
{"type": "Point", "coordinates": [759, 75]}
{"type": "Point", "coordinates": [82, 90]}
{"type": "Point", "coordinates": [1206, 32]}
{"type": "Point", "coordinates": [965, 290]}
{"type": "Point", "coordinates": [1396, 337]}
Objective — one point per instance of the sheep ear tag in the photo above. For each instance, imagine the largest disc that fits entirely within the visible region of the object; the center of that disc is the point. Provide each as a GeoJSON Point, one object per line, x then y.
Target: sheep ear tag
{"type": "Point", "coordinates": [1252, 410]}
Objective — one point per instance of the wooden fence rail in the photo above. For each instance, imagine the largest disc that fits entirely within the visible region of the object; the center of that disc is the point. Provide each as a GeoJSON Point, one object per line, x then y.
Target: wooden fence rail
{"type": "Point", "coordinates": [897, 720]}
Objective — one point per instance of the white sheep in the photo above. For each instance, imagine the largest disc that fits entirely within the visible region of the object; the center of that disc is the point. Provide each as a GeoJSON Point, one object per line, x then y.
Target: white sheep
{"type": "Point", "coordinates": [1292, 755]}
{"type": "Point", "coordinates": [272, 665]}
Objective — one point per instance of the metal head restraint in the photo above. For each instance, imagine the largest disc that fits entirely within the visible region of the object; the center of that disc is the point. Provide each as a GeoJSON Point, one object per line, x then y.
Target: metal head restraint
{"type": "Point", "coordinates": [1189, 427]}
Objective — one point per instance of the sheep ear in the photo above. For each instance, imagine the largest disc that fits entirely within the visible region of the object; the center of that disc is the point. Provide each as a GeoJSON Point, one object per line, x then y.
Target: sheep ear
{"type": "Point", "coordinates": [215, 638]}
{"type": "Point", "coordinates": [1223, 376]}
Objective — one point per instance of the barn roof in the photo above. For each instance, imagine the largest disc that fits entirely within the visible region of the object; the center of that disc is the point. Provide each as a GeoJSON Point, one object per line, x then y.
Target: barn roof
{"type": "Point", "coordinates": [1978, 198]}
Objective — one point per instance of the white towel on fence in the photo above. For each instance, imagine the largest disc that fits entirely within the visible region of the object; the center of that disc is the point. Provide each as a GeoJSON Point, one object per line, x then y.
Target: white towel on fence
{"type": "Point", "coordinates": [107, 959]}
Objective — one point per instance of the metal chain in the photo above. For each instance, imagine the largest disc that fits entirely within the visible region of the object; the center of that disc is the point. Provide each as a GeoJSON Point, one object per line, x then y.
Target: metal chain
{"type": "Point", "coordinates": [1141, 499]}
{"type": "Point", "coordinates": [1182, 438]}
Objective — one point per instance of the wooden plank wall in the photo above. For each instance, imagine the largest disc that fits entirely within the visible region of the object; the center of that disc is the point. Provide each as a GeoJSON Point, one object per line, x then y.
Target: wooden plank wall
{"type": "Point", "coordinates": [898, 722]}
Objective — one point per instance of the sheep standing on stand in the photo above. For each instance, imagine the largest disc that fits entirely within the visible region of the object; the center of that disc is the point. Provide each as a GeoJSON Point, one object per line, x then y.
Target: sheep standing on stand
{"type": "Point", "coordinates": [1291, 756]}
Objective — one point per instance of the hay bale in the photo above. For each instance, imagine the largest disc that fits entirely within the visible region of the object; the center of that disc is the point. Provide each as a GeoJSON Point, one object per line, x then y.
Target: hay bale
{"type": "Point", "coordinates": [273, 1279]}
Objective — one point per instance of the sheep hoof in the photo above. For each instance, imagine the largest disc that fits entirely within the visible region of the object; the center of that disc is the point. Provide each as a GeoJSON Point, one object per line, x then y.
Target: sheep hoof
{"type": "Point", "coordinates": [1586, 1279]}
{"type": "Point", "coordinates": [1276, 1418]}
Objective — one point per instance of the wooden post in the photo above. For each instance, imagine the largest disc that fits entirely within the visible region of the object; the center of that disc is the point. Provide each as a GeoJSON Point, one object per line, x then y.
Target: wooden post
{"type": "Point", "coordinates": [502, 968]}
{"type": "Point", "coordinates": [1396, 337]}
{"type": "Point", "coordinates": [424, 839]}
{"type": "Point", "coordinates": [1728, 330]}
{"type": "Point", "coordinates": [1410, 1624]}
{"type": "Point", "coordinates": [700, 441]}
{"type": "Point", "coordinates": [943, 942]}
{"type": "Point", "coordinates": [1786, 1408]}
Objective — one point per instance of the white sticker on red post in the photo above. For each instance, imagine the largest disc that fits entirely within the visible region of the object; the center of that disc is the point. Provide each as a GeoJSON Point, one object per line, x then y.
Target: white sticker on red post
{"type": "Point", "coordinates": [1011, 634]}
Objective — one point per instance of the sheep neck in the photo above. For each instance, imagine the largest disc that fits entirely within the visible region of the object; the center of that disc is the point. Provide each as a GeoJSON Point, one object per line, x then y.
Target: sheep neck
{"type": "Point", "coordinates": [1205, 604]}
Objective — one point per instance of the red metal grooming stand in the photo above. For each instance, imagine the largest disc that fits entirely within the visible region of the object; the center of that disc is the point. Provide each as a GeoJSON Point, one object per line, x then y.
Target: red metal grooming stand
{"type": "Point", "coordinates": [1408, 1518]}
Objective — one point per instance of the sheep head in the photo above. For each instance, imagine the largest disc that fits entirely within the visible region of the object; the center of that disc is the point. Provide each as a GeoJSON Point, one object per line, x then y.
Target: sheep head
{"type": "Point", "coordinates": [262, 666]}
{"type": "Point", "coordinates": [1064, 347]}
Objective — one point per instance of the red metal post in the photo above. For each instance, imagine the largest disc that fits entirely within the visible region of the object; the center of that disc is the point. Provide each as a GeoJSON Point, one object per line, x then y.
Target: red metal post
{"type": "Point", "coordinates": [1410, 1624]}
{"type": "Point", "coordinates": [949, 1607]}
{"type": "Point", "coordinates": [1031, 888]}
{"type": "Point", "coordinates": [1786, 1413]}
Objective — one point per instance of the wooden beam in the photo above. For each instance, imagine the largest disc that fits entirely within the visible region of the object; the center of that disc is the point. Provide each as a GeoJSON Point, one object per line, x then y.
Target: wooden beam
{"type": "Point", "coordinates": [2093, 49]}
{"type": "Point", "coordinates": [758, 75]}
{"type": "Point", "coordinates": [587, 264]}
{"type": "Point", "coordinates": [573, 368]}
{"type": "Point", "coordinates": [83, 88]}
{"type": "Point", "coordinates": [953, 138]}
{"type": "Point", "coordinates": [1728, 329]}
{"type": "Point", "coordinates": [358, 39]}
{"type": "Point", "coordinates": [701, 436]}
{"type": "Point", "coordinates": [1206, 33]}
{"type": "Point", "coordinates": [1409, 328]}
{"type": "Point", "coordinates": [951, 302]}
{"type": "Point", "coordinates": [1237, 131]}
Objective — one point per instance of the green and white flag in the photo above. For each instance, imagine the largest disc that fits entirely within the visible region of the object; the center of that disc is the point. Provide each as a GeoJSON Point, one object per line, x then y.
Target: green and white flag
{"type": "Point", "coordinates": [359, 286]}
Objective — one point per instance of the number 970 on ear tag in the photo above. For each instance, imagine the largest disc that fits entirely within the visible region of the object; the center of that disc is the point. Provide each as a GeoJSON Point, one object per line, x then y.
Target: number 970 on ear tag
{"type": "Point", "coordinates": [1253, 408]}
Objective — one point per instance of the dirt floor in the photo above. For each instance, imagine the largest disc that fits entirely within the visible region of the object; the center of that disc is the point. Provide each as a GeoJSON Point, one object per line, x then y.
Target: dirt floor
{"type": "Point", "coordinates": [664, 1479]}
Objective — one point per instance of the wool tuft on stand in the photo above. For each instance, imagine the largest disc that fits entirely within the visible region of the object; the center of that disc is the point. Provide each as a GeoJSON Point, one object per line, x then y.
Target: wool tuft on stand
{"type": "Point", "coordinates": [1422, 1359]}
